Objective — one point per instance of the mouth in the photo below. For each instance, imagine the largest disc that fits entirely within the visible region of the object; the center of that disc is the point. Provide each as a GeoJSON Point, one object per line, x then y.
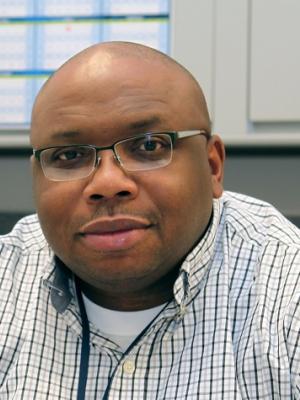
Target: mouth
{"type": "Point", "coordinates": [114, 234]}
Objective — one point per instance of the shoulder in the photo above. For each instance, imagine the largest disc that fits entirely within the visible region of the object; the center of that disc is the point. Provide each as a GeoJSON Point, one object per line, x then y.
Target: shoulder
{"type": "Point", "coordinates": [262, 246]}
{"type": "Point", "coordinates": [265, 246]}
{"type": "Point", "coordinates": [24, 249]}
{"type": "Point", "coordinates": [26, 235]}
{"type": "Point", "coordinates": [258, 221]}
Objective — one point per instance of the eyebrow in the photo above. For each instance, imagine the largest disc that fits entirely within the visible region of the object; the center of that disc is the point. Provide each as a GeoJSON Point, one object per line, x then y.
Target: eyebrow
{"type": "Point", "coordinates": [65, 135]}
{"type": "Point", "coordinates": [146, 123]}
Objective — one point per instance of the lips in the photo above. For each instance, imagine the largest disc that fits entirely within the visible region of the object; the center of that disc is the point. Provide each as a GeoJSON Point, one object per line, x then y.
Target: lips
{"type": "Point", "coordinates": [111, 225]}
{"type": "Point", "coordinates": [114, 234]}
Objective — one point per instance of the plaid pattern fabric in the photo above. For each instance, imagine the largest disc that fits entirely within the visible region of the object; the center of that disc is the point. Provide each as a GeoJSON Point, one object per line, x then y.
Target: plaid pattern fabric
{"type": "Point", "coordinates": [232, 330]}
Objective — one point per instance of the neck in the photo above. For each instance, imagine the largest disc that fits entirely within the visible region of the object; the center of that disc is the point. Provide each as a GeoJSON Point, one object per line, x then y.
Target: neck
{"type": "Point", "coordinates": [132, 300]}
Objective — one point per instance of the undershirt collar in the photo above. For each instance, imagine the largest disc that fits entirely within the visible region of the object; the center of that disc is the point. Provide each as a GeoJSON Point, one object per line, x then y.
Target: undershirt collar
{"type": "Point", "coordinates": [121, 327]}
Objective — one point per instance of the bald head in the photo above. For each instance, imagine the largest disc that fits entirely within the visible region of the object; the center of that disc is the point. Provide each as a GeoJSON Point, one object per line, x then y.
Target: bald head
{"type": "Point", "coordinates": [103, 60]}
{"type": "Point", "coordinates": [103, 53]}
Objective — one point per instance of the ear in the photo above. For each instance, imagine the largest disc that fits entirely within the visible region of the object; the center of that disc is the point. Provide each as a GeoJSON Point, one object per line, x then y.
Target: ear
{"type": "Point", "coordinates": [32, 162]}
{"type": "Point", "coordinates": [216, 158]}
{"type": "Point", "coordinates": [35, 166]}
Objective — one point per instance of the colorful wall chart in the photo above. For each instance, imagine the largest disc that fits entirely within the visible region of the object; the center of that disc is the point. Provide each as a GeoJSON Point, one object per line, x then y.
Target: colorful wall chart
{"type": "Point", "coordinates": [36, 37]}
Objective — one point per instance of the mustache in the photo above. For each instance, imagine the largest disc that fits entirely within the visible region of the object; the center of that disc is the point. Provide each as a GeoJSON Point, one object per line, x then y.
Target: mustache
{"type": "Point", "coordinates": [118, 211]}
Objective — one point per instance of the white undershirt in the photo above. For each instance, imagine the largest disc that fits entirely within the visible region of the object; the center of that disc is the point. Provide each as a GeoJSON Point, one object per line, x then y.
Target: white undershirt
{"type": "Point", "coordinates": [122, 327]}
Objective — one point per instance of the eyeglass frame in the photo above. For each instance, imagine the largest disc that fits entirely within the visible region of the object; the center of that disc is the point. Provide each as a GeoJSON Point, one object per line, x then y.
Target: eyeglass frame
{"type": "Point", "coordinates": [174, 135]}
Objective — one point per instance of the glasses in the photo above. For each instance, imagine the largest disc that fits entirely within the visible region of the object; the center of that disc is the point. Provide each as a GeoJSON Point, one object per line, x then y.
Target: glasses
{"type": "Point", "coordinates": [137, 153]}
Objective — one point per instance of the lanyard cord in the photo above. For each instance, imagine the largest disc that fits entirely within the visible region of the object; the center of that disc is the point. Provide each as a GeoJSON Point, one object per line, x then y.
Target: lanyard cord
{"type": "Point", "coordinates": [85, 346]}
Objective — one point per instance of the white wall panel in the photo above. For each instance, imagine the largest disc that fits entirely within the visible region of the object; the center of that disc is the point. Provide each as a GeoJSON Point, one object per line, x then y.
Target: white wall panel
{"type": "Point", "coordinates": [192, 40]}
{"type": "Point", "coordinates": [275, 60]}
{"type": "Point", "coordinates": [230, 79]}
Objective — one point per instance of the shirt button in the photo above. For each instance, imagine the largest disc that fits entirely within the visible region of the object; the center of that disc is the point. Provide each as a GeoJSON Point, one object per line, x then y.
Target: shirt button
{"type": "Point", "coordinates": [129, 367]}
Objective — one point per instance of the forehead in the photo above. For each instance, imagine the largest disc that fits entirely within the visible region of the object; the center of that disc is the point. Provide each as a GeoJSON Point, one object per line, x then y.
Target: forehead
{"type": "Point", "coordinates": [112, 94]}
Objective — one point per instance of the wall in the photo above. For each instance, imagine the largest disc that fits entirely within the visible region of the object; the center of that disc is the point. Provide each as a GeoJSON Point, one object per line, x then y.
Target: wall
{"type": "Point", "coordinates": [247, 65]}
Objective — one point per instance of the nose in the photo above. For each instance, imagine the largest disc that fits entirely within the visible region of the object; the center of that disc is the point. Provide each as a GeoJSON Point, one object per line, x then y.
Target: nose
{"type": "Point", "coordinates": [109, 180]}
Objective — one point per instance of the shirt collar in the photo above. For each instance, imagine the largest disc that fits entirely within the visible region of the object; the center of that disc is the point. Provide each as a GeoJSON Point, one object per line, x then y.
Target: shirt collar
{"type": "Point", "coordinates": [58, 280]}
{"type": "Point", "coordinates": [198, 260]}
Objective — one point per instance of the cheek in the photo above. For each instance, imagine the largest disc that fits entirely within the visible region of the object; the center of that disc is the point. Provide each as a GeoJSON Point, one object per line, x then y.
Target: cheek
{"type": "Point", "coordinates": [55, 204]}
{"type": "Point", "coordinates": [185, 204]}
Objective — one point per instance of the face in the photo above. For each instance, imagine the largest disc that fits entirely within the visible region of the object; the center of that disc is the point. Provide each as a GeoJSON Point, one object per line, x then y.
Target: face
{"type": "Point", "coordinates": [123, 232]}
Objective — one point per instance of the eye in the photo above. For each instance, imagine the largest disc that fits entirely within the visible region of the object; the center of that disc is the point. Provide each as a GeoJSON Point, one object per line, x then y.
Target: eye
{"type": "Point", "coordinates": [68, 154]}
{"type": "Point", "coordinates": [69, 157]}
{"type": "Point", "coordinates": [152, 143]}
{"type": "Point", "coordinates": [145, 148]}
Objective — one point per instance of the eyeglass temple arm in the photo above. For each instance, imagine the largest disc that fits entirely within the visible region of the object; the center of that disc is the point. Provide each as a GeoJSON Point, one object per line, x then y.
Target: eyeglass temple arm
{"type": "Point", "coordinates": [184, 134]}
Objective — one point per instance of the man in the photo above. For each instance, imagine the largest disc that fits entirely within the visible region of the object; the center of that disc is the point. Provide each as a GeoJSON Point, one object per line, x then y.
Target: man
{"type": "Point", "coordinates": [141, 279]}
